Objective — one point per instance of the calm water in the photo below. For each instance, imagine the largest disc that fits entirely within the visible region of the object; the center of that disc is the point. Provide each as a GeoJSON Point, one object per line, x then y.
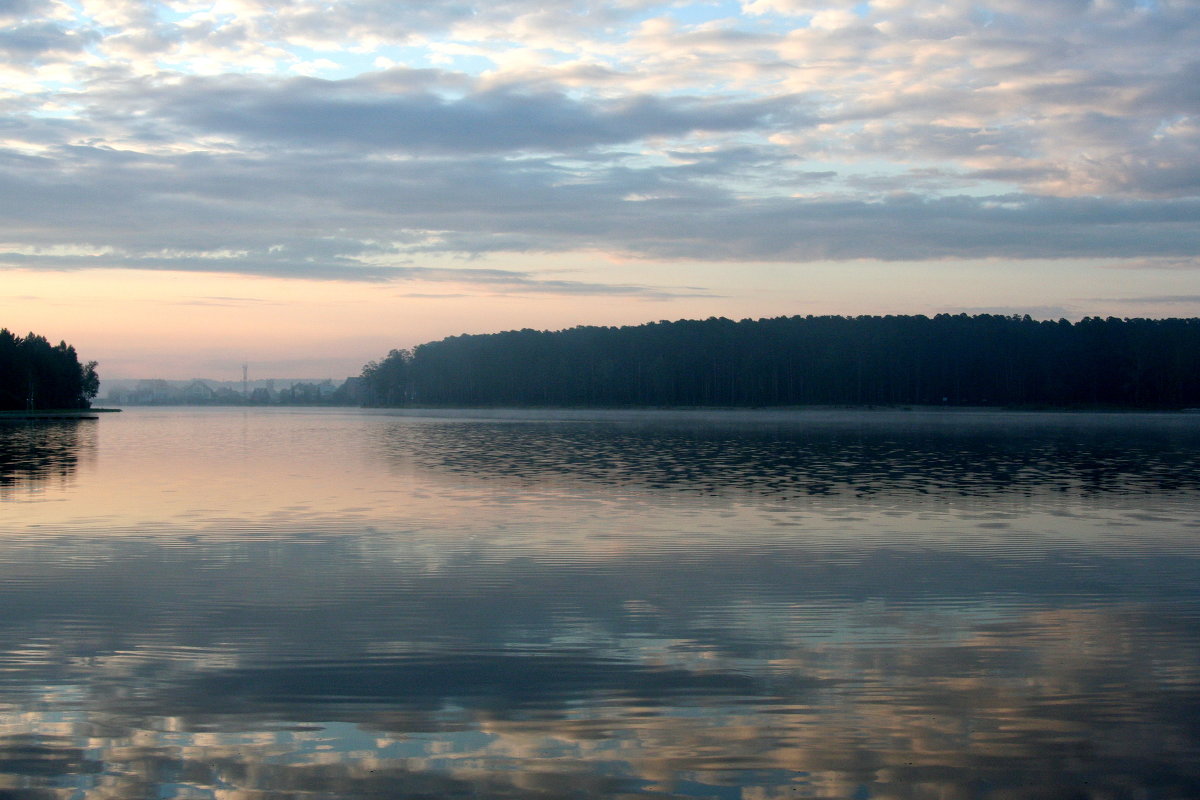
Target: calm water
{"type": "Point", "coordinates": [273, 604]}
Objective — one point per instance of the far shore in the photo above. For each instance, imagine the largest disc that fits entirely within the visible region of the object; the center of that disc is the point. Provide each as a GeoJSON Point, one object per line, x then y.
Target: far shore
{"type": "Point", "coordinates": [766, 411]}
{"type": "Point", "coordinates": [56, 413]}
{"type": "Point", "coordinates": [725, 410]}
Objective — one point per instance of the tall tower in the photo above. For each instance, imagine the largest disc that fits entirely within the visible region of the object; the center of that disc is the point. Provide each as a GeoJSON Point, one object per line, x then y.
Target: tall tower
{"type": "Point", "coordinates": [245, 380]}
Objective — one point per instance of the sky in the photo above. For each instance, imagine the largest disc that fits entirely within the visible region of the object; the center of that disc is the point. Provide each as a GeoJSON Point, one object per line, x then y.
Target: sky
{"type": "Point", "coordinates": [302, 186]}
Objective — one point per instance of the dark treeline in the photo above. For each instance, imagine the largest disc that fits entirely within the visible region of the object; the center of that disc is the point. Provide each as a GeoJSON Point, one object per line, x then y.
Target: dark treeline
{"type": "Point", "coordinates": [956, 360]}
{"type": "Point", "coordinates": [35, 375]}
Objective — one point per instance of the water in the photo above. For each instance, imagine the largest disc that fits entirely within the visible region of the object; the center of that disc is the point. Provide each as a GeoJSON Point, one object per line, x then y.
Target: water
{"type": "Point", "coordinates": [235, 604]}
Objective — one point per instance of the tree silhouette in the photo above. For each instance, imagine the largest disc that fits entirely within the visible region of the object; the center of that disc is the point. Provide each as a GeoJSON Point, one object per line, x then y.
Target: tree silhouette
{"type": "Point", "coordinates": [35, 375]}
{"type": "Point", "coordinates": [987, 359]}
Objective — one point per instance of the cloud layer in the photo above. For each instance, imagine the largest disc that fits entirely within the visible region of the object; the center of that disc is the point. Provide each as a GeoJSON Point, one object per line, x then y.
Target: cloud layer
{"type": "Point", "coordinates": [243, 137]}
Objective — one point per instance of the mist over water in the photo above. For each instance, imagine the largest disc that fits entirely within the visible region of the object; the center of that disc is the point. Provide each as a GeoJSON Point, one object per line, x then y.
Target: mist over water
{"type": "Point", "coordinates": [329, 603]}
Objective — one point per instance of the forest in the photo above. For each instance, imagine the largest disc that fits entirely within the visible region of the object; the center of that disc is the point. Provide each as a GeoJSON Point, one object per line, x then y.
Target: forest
{"type": "Point", "coordinates": [959, 360]}
{"type": "Point", "coordinates": [38, 376]}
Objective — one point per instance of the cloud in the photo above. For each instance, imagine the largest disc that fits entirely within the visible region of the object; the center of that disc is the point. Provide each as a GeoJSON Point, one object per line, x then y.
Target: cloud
{"type": "Point", "coordinates": [28, 43]}
{"type": "Point", "coordinates": [1182, 263]}
{"type": "Point", "coordinates": [1168, 299]}
{"type": "Point", "coordinates": [229, 302]}
{"type": "Point", "coordinates": [907, 130]}
{"type": "Point", "coordinates": [15, 8]}
{"type": "Point", "coordinates": [337, 268]}
{"type": "Point", "coordinates": [377, 220]}
{"type": "Point", "coordinates": [309, 112]}
{"type": "Point", "coordinates": [319, 25]}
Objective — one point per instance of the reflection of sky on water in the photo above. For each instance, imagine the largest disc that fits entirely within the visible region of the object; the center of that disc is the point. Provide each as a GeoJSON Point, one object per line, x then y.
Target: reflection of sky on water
{"type": "Point", "coordinates": [403, 611]}
{"type": "Point", "coordinates": [1043, 703]}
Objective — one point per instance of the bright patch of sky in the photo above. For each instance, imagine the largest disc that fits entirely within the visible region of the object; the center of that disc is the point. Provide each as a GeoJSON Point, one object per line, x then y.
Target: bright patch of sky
{"type": "Point", "coordinates": [701, 13]}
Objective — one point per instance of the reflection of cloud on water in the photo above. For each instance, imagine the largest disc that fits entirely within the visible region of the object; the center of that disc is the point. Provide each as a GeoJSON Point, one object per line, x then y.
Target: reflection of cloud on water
{"type": "Point", "coordinates": [213, 605]}
{"type": "Point", "coordinates": [528, 679]}
{"type": "Point", "coordinates": [1036, 703]}
{"type": "Point", "coordinates": [504, 629]}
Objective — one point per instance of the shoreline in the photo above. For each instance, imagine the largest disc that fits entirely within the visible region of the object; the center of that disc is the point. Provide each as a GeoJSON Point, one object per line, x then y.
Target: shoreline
{"type": "Point", "coordinates": [856, 415]}
{"type": "Point", "coordinates": [62, 413]}
{"type": "Point", "coordinates": [914, 408]}
{"type": "Point", "coordinates": [879, 407]}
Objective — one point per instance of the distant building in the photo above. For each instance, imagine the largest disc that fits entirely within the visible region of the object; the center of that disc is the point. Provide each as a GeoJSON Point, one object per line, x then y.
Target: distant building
{"type": "Point", "coordinates": [198, 392]}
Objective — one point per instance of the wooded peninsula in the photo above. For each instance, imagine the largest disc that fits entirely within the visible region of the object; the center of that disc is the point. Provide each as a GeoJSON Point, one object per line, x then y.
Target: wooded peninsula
{"type": "Point", "coordinates": [961, 360]}
{"type": "Point", "coordinates": [38, 376]}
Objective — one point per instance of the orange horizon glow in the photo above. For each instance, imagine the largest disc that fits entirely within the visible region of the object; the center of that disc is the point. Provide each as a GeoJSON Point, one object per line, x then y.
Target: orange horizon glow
{"type": "Point", "coordinates": [143, 324]}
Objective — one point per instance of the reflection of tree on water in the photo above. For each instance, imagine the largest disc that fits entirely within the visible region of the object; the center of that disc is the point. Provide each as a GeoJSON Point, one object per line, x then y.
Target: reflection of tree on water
{"type": "Point", "coordinates": [787, 462]}
{"type": "Point", "coordinates": [35, 452]}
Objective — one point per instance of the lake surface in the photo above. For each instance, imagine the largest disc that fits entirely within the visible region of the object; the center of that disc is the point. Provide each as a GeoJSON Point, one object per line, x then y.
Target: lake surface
{"type": "Point", "coordinates": [328, 603]}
